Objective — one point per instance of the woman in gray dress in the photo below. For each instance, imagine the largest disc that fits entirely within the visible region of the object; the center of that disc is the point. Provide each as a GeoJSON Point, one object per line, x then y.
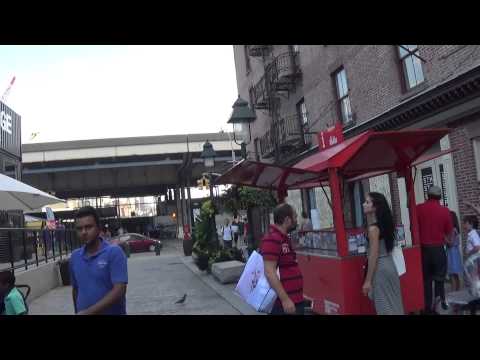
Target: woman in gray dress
{"type": "Point", "coordinates": [382, 283]}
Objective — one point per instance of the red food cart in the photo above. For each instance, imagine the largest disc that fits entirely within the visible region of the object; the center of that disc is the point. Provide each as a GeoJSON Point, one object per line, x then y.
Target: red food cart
{"type": "Point", "coordinates": [333, 271]}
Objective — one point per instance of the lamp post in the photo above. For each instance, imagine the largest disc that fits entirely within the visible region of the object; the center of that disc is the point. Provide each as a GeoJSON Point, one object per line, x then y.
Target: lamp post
{"type": "Point", "coordinates": [241, 118]}
{"type": "Point", "coordinates": [208, 156]}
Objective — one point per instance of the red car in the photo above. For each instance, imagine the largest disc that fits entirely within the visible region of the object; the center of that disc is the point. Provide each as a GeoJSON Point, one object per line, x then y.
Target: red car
{"type": "Point", "coordinates": [136, 242]}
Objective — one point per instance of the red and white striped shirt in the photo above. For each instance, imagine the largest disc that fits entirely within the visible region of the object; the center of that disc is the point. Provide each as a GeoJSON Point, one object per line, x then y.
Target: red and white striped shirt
{"type": "Point", "coordinates": [276, 246]}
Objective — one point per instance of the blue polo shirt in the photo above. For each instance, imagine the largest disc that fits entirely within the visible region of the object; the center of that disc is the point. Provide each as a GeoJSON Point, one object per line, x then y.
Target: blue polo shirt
{"type": "Point", "coordinates": [94, 276]}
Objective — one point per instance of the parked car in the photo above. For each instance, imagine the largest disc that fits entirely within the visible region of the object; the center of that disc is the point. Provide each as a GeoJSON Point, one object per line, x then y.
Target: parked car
{"type": "Point", "coordinates": [124, 245]}
{"type": "Point", "coordinates": [136, 242]}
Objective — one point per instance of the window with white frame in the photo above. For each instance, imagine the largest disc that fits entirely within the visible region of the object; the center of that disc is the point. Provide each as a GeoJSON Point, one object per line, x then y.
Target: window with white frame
{"type": "Point", "coordinates": [343, 97]}
{"type": "Point", "coordinates": [476, 150]}
{"type": "Point", "coordinates": [411, 65]}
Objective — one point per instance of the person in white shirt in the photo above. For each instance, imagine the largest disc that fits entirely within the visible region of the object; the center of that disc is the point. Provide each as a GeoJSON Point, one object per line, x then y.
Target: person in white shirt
{"type": "Point", "coordinates": [470, 224]}
{"type": "Point", "coordinates": [227, 234]}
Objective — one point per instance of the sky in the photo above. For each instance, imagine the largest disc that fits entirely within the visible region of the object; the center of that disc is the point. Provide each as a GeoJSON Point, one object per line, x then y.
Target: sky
{"type": "Point", "coordinates": [91, 92]}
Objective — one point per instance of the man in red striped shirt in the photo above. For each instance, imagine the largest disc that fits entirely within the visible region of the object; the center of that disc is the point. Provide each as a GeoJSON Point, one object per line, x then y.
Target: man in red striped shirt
{"type": "Point", "coordinates": [276, 249]}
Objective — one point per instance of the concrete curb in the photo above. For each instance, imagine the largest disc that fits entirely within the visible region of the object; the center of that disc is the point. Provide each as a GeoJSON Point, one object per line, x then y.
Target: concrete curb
{"type": "Point", "coordinates": [225, 291]}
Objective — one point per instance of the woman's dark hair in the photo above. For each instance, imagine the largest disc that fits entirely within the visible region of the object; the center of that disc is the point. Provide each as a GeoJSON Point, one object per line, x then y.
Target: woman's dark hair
{"type": "Point", "coordinates": [471, 219]}
{"type": "Point", "coordinates": [88, 211]}
{"type": "Point", "coordinates": [384, 219]}
{"type": "Point", "coordinates": [456, 224]}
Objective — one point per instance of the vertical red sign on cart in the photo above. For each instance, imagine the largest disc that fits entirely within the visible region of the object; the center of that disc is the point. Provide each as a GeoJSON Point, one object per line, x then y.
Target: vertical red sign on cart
{"type": "Point", "coordinates": [330, 137]}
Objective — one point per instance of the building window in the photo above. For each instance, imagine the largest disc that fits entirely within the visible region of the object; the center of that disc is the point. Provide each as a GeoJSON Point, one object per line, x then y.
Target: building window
{"type": "Point", "coordinates": [302, 113]}
{"type": "Point", "coordinates": [411, 66]}
{"type": "Point", "coordinates": [296, 49]}
{"type": "Point", "coordinates": [303, 120]}
{"type": "Point", "coordinates": [251, 95]}
{"type": "Point", "coordinates": [343, 98]}
{"type": "Point", "coordinates": [10, 169]}
{"type": "Point", "coordinates": [247, 59]}
{"type": "Point", "coordinates": [476, 151]}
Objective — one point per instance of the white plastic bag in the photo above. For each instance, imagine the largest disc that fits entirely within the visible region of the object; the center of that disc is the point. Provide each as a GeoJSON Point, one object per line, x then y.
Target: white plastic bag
{"type": "Point", "coordinates": [253, 286]}
{"type": "Point", "coordinates": [399, 260]}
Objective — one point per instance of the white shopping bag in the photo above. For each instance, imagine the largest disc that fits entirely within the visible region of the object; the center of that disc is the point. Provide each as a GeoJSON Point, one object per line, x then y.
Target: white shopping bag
{"type": "Point", "coordinates": [399, 260]}
{"type": "Point", "coordinates": [263, 297]}
{"type": "Point", "coordinates": [253, 286]}
{"type": "Point", "coordinates": [251, 274]}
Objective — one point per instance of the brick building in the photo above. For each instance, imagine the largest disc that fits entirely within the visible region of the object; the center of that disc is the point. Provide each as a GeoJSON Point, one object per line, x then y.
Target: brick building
{"type": "Point", "coordinates": [301, 89]}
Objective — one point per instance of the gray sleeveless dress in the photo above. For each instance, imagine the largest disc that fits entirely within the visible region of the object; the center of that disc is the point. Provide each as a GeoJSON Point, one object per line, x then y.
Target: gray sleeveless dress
{"type": "Point", "coordinates": [386, 293]}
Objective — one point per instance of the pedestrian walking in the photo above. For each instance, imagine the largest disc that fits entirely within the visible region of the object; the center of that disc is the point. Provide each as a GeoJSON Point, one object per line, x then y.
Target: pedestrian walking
{"type": "Point", "coordinates": [277, 251]}
{"type": "Point", "coordinates": [435, 228]}
{"type": "Point", "coordinates": [235, 231]}
{"type": "Point", "coordinates": [227, 234]}
{"type": "Point", "coordinates": [98, 270]}
{"type": "Point", "coordinates": [470, 224]}
{"type": "Point", "coordinates": [454, 259]}
{"type": "Point", "coordinates": [382, 283]}
{"type": "Point", "coordinates": [12, 303]}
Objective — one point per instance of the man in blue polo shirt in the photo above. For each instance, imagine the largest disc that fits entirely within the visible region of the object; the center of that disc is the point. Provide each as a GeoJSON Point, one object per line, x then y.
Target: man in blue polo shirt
{"type": "Point", "coordinates": [98, 270]}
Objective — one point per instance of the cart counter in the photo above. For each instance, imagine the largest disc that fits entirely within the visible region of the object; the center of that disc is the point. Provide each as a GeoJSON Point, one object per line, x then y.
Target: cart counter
{"type": "Point", "coordinates": [334, 283]}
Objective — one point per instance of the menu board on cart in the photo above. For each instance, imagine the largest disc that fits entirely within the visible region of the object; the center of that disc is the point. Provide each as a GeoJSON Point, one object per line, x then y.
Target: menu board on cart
{"type": "Point", "coordinates": [427, 180]}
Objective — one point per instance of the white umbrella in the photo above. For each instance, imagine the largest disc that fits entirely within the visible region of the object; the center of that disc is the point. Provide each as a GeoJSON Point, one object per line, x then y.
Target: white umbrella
{"type": "Point", "coordinates": [15, 195]}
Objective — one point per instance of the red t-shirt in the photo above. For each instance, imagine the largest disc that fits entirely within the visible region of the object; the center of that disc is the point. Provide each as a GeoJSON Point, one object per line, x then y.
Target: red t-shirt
{"type": "Point", "coordinates": [276, 246]}
{"type": "Point", "coordinates": [434, 222]}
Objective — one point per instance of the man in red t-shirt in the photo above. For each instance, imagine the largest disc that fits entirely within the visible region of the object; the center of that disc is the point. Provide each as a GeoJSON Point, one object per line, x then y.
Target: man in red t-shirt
{"type": "Point", "coordinates": [277, 250]}
{"type": "Point", "coordinates": [435, 228]}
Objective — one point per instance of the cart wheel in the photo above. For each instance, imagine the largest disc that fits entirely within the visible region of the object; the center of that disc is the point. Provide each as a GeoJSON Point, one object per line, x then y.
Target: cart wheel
{"type": "Point", "coordinates": [151, 248]}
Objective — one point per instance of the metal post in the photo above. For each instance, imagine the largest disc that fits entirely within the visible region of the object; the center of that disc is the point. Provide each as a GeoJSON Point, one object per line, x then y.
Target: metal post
{"type": "Point", "coordinates": [412, 207]}
{"type": "Point", "coordinates": [24, 250]}
{"type": "Point", "coordinates": [338, 219]}
{"type": "Point", "coordinates": [215, 234]}
{"type": "Point", "coordinates": [10, 244]}
{"type": "Point", "coordinates": [53, 244]}
{"type": "Point", "coordinates": [45, 245]}
{"type": "Point", "coordinates": [35, 236]}
{"type": "Point", "coordinates": [59, 244]}
{"type": "Point", "coordinates": [190, 212]}
{"type": "Point", "coordinates": [243, 150]}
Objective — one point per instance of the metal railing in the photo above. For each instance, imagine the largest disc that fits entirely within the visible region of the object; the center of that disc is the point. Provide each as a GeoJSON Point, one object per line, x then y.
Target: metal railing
{"type": "Point", "coordinates": [21, 248]}
{"type": "Point", "coordinates": [260, 94]}
{"type": "Point", "coordinates": [287, 132]}
{"type": "Point", "coordinates": [283, 71]}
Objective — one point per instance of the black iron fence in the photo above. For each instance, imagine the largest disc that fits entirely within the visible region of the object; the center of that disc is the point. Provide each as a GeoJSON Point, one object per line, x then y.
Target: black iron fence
{"type": "Point", "coordinates": [288, 134]}
{"type": "Point", "coordinates": [21, 248]}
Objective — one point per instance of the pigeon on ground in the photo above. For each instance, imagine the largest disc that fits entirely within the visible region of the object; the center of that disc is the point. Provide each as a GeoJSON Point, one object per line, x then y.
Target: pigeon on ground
{"type": "Point", "coordinates": [182, 300]}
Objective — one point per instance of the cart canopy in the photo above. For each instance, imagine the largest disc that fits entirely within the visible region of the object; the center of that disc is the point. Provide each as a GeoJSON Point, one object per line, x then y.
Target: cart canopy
{"type": "Point", "coordinates": [368, 154]}
{"type": "Point", "coordinates": [266, 176]}
{"type": "Point", "coordinates": [373, 152]}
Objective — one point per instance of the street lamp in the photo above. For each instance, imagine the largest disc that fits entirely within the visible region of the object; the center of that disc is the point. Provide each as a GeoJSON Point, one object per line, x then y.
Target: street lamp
{"type": "Point", "coordinates": [241, 118]}
{"type": "Point", "coordinates": [208, 155]}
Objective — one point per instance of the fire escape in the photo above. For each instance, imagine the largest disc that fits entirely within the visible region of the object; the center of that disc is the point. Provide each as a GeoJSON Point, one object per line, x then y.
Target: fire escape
{"type": "Point", "coordinates": [286, 131]}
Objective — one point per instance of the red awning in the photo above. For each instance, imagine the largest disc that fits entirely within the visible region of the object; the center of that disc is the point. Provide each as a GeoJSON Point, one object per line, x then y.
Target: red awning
{"type": "Point", "coordinates": [374, 152]}
{"type": "Point", "coordinates": [267, 176]}
{"type": "Point", "coordinates": [425, 158]}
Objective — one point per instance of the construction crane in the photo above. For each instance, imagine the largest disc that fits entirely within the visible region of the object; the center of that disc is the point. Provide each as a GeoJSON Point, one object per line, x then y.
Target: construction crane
{"type": "Point", "coordinates": [5, 94]}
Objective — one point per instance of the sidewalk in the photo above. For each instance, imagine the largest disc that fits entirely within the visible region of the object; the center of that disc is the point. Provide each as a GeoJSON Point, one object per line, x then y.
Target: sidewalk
{"type": "Point", "coordinates": [226, 291]}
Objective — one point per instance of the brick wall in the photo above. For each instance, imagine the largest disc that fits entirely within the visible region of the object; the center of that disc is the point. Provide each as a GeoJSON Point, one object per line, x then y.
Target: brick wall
{"type": "Point", "coordinates": [465, 171]}
{"type": "Point", "coordinates": [372, 72]}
